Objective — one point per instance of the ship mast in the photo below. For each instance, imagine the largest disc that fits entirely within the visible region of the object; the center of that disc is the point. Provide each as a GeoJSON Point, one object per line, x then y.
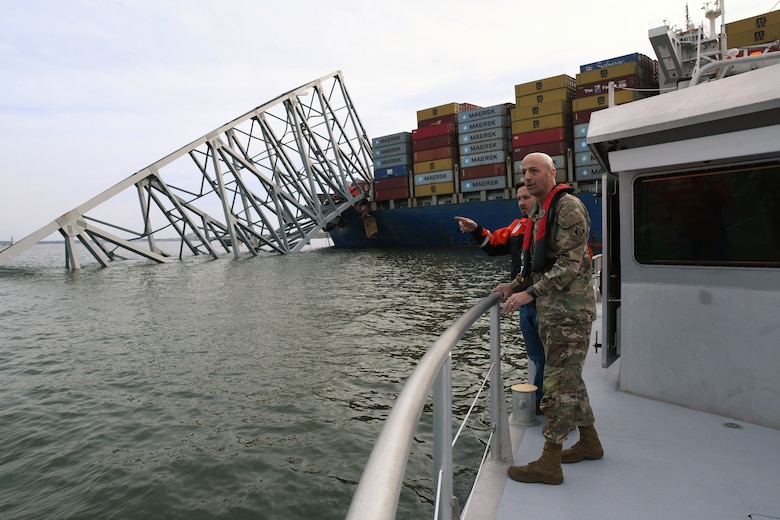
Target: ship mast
{"type": "Point", "coordinates": [712, 15]}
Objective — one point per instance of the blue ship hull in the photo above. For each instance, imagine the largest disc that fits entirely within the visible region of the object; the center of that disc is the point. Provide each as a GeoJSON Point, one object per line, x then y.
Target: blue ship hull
{"type": "Point", "coordinates": [435, 226]}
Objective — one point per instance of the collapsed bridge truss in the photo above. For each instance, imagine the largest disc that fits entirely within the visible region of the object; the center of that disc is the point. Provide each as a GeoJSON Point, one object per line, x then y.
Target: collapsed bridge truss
{"type": "Point", "coordinates": [269, 180]}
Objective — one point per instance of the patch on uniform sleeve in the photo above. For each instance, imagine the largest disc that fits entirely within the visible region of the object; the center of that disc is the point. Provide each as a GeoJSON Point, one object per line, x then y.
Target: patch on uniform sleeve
{"type": "Point", "coordinates": [579, 232]}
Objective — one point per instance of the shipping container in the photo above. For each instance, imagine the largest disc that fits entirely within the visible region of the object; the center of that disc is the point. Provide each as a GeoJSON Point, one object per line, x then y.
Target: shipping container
{"type": "Point", "coordinates": [391, 183]}
{"type": "Point", "coordinates": [434, 166]}
{"type": "Point", "coordinates": [602, 86]}
{"type": "Point", "coordinates": [753, 23]}
{"type": "Point", "coordinates": [638, 58]}
{"type": "Point", "coordinates": [545, 97]}
{"type": "Point", "coordinates": [438, 111]}
{"type": "Point", "coordinates": [436, 121]}
{"type": "Point", "coordinates": [485, 183]}
{"type": "Point", "coordinates": [544, 109]}
{"type": "Point", "coordinates": [434, 154]}
{"type": "Point", "coordinates": [602, 100]}
{"type": "Point", "coordinates": [542, 136]}
{"type": "Point", "coordinates": [583, 116]}
{"type": "Point", "coordinates": [400, 137]}
{"type": "Point", "coordinates": [581, 145]}
{"type": "Point", "coordinates": [581, 130]}
{"type": "Point", "coordinates": [614, 71]}
{"type": "Point", "coordinates": [436, 141]}
{"type": "Point", "coordinates": [402, 170]}
{"type": "Point", "coordinates": [552, 148]}
{"type": "Point", "coordinates": [485, 135]}
{"type": "Point", "coordinates": [759, 36]}
{"type": "Point", "coordinates": [484, 113]}
{"type": "Point", "coordinates": [486, 170]}
{"type": "Point", "coordinates": [479, 159]}
{"type": "Point", "coordinates": [562, 81]}
{"type": "Point", "coordinates": [441, 188]}
{"type": "Point", "coordinates": [484, 146]}
{"type": "Point", "coordinates": [483, 124]}
{"type": "Point", "coordinates": [541, 123]}
{"type": "Point", "coordinates": [588, 173]}
{"type": "Point", "coordinates": [421, 179]}
{"type": "Point", "coordinates": [393, 160]}
{"type": "Point", "coordinates": [433, 131]}
{"type": "Point", "coordinates": [393, 149]}
{"type": "Point", "coordinates": [391, 194]}
{"type": "Point", "coordinates": [585, 159]}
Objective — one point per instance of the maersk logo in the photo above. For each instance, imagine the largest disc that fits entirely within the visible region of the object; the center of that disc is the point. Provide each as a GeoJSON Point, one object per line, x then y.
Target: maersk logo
{"type": "Point", "coordinates": [482, 183]}
{"type": "Point", "coordinates": [432, 177]}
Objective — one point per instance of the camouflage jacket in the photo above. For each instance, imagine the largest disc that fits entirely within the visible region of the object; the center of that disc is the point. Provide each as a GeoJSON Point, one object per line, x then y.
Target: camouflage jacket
{"type": "Point", "coordinates": [566, 286]}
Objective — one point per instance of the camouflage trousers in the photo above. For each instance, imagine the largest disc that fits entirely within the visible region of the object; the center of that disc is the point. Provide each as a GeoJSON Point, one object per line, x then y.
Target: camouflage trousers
{"type": "Point", "coordinates": [565, 403]}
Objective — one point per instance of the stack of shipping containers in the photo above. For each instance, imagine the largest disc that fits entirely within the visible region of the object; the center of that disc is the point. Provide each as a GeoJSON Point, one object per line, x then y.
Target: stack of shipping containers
{"type": "Point", "coordinates": [392, 168]}
{"type": "Point", "coordinates": [484, 136]}
{"type": "Point", "coordinates": [763, 30]}
{"type": "Point", "coordinates": [542, 121]}
{"type": "Point", "coordinates": [635, 76]}
{"type": "Point", "coordinates": [435, 154]}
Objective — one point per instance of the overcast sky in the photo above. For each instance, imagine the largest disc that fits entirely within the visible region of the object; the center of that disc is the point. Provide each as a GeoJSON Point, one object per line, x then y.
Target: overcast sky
{"type": "Point", "coordinates": [92, 91]}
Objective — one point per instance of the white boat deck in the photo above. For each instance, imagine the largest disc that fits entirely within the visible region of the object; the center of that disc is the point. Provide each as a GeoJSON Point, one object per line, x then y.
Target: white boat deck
{"type": "Point", "coordinates": [660, 461]}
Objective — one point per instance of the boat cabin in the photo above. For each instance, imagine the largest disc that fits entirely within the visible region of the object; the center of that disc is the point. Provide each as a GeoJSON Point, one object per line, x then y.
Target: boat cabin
{"type": "Point", "coordinates": [691, 246]}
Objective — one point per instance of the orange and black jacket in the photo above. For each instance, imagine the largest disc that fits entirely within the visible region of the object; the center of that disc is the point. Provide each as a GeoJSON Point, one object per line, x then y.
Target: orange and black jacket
{"type": "Point", "coordinates": [505, 241]}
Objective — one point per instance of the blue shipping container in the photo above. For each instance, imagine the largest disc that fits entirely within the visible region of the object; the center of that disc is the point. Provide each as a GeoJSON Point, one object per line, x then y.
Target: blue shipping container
{"type": "Point", "coordinates": [394, 171]}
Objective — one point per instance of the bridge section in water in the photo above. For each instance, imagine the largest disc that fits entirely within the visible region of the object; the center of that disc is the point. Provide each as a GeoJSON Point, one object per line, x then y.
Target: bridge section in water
{"type": "Point", "coordinates": [269, 180]}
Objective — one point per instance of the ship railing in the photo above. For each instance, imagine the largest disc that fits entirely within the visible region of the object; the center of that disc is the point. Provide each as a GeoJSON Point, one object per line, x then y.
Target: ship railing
{"type": "Point", "coordinates": [378, 491]}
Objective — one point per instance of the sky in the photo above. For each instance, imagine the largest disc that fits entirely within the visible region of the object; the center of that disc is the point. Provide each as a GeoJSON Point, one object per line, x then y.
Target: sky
{"type": "Point", "coordinates": [92, 91]}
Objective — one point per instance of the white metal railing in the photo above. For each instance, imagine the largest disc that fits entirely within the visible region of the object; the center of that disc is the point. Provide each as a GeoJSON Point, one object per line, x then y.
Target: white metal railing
{"type": "Point", "coordinates": [379, 489]}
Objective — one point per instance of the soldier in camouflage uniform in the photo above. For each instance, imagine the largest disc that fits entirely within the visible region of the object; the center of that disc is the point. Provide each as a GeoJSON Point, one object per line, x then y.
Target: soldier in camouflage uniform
{"type": "Point", "coordinates": [560, 264]}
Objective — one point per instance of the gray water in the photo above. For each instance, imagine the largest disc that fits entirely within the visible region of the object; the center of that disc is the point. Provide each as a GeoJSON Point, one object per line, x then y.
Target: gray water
{"type": "Point", "coordinates": [229, 388]}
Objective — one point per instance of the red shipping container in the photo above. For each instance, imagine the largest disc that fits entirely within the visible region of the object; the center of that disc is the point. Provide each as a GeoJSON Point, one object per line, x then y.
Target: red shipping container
{"type": "Point", "coordinates": [391, 183]}
{"type": "Point", "coordinates": [391, 194]}
{"type": "Point", "coordinates": [485, 170]}
{"type": "Point", "coordinates": [434, 142]}
{"type": "Point", "coordinates": [561, 133]}
{"type": "Point", "coordinates": [554, 148]}
{"type": "Point", "coordinates": [443, 120]}
{"type": "Point", "coordinates": [433, 131]}
{"type": "Point", "coordinates": [435, 153]}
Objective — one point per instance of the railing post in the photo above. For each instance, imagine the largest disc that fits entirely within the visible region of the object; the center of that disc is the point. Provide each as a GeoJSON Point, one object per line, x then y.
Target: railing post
{"type": "Point", "coordinates": [442, 440]}
{"type": "Point", "coordinates": [500, 443]}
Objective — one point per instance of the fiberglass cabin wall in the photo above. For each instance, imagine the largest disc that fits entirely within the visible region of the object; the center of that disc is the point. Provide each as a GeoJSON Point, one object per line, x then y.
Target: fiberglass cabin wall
{"type": "Point", "coordinates": [698, 182]}
{"type": "Point", "coordinates": [700, 290]}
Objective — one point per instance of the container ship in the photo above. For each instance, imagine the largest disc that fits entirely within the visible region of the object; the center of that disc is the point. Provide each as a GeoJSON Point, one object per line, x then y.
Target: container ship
{"type": "Point", "coordinates": [464, 159]}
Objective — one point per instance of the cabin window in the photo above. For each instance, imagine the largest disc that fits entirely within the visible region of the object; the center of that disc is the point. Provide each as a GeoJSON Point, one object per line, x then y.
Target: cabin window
{"type": "Point", "coordinates": [728, 217]}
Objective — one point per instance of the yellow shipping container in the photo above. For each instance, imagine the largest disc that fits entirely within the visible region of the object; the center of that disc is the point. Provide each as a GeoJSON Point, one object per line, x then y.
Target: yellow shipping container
{"type": "Point", "coordinates": [761, 21]}
{"type": "Point", "coordinates": [541, 123]}
{"type": "Point", "coordinates": [615, 71]}
{"type": "Point", "coordinates": [434, 166]}
{"type": "Point", "coordinates": [534, 87]}
{"type": "Point", "coordinates": [441, 110]}
{"type": "Point", "coordinates": [549, 96]}
{"type": "Point", "coordinates": [602, 100]}
{"type": "Point", "coordinates": [757, 36]}
{"type": "Point", "coordinates": [544, 109]}
{"type": "Point", "coordinates": [440, 188]}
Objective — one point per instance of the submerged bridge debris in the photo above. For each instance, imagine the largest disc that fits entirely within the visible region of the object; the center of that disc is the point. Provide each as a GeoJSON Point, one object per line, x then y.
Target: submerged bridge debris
{"type": "Point", "coordinates": [269, 180]}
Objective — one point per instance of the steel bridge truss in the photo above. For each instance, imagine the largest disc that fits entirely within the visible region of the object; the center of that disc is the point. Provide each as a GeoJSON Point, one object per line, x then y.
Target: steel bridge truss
{"type": "Point", "coordinates": [269, 181]}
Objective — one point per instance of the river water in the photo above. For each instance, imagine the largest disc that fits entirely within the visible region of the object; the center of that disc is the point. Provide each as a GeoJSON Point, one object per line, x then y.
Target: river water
{"type": "Point", "coordinates": [229, 388]}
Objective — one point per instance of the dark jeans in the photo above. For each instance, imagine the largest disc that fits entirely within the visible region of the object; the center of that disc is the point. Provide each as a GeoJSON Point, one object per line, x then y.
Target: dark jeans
{"type": "Point", "coordinates": [529, 326]}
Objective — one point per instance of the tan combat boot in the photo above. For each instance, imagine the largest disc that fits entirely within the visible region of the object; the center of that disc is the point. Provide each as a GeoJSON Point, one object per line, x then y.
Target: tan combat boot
{"type": "Point", "coordinates": [587, 448]}
{"type": "Point", "coordinates": [546, 470]}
